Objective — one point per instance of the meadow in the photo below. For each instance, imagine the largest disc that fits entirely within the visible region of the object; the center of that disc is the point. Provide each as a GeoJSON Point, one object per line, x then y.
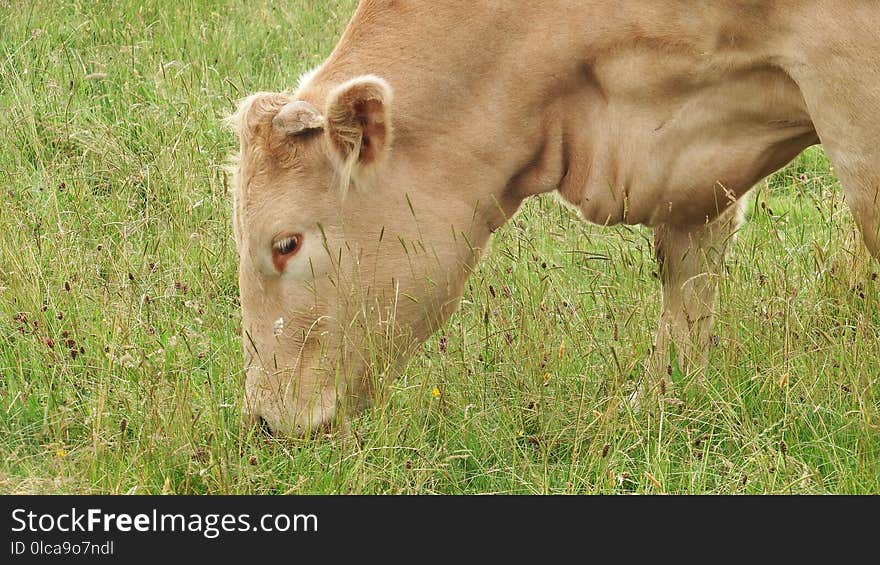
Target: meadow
{"type": "Point", "coordinates": [120, 351]}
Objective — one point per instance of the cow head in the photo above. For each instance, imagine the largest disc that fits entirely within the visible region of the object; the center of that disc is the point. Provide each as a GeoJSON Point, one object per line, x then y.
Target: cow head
{"type": "Point", "coordinates": [350, 254]}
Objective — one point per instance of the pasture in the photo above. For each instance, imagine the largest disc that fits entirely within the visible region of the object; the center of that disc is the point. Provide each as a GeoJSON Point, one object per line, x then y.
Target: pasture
{"type": "Point", "coordinates": [120, 353]}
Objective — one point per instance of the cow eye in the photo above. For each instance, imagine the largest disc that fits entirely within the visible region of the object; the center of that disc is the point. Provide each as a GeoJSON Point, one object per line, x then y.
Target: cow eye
{"type": "Point", "coordinates": [286, 245]}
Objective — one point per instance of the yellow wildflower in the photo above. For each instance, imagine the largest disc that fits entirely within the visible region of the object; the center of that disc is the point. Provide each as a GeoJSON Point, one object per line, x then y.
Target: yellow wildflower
{"type": "Point", "coordinates": [783, 382]}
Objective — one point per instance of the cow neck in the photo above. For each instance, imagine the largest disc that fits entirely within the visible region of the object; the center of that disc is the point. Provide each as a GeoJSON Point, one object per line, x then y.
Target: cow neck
{"type": "Point", "coordinates": [451, 102]}
{"type": "Point", "coordinates": [468, 90]}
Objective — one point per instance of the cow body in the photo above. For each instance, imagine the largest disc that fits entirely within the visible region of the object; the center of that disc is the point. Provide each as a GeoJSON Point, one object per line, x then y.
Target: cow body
{"type": "Point", "coordinates": [656, 113]}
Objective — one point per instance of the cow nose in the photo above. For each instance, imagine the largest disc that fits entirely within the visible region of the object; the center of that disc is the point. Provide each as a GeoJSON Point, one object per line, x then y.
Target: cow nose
{"type": "Point", "coordinates": [297, 432]}
{"type": "Point", "coordinates": [264, 426]}
{"type": "Point", "coordinates": [251, 420]}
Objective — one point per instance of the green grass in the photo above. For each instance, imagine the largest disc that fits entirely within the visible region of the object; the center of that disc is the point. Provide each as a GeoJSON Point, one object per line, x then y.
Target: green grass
{"type": "Point", "coordinates": [119, 347]}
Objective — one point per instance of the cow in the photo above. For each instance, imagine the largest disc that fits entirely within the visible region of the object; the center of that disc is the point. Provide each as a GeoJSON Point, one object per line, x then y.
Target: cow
{"type": "Point", "coordinates": [364, 198]}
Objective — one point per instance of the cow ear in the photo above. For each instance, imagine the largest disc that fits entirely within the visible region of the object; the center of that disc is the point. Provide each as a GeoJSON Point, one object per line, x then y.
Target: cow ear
{"type": "Point", "coordinates": [359, 120]}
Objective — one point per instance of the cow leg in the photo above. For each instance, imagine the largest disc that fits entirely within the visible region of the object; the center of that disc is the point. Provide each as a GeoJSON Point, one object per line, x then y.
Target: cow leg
{"type": "Point", "coordinates": [690, 259]}
{"type": "Point", "coordinates": [862, 192]}
{"type": "Point", "coordinates": [857, 163]}
{"type": "Point", "coordinates": [839, 87]}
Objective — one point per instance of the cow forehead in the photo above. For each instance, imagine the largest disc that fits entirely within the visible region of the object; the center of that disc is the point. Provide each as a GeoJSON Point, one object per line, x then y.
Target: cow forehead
{"type": "Point", "coordinates": [267, 199]}
{"type": "Point", "coordinates": [289, 169]}
{"type": "Point", "coordinates": [269, 148]}
{"type": "Point", "coordinates": [288, 197]}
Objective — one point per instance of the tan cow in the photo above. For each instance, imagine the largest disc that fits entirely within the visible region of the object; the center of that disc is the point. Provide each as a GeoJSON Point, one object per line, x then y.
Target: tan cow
{"type": "Point", "coordinates": [364, 199]}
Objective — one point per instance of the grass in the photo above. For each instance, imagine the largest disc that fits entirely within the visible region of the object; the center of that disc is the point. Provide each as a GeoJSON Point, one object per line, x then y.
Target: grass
{"type": "Point", "coordinates": [119, 348]}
